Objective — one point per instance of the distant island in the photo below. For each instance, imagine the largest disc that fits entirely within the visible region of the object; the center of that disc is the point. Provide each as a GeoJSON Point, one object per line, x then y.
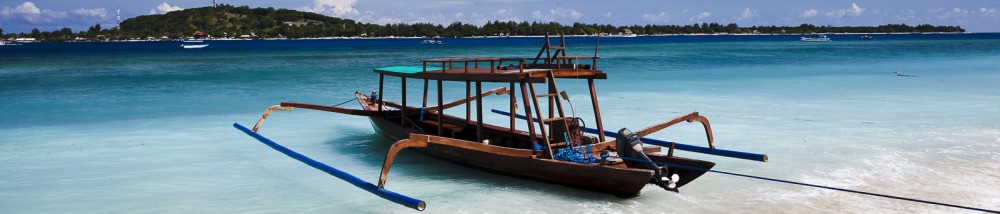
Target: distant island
{"type": "Point", "coordinates": [231, 22]}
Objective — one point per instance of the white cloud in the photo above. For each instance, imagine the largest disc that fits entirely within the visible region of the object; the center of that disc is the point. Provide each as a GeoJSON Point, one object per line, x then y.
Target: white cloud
{"type": "Point", "coordinates": [987, 11]}
{"type": "Point", "coordinates": [503, 12]}
{"type": "Point", "coordinates": [661, 17]}
{"type": "Point", "coordinates": [954, 13]}
{"type": "Point", "coordinates": [388, 20]}
{"type": "Point", "coordinates": [608, 15]}
{"type": "Point", "coordinates": [700, 16]}
{"type": "Point", "coordinates": [27, 8]}
{"type": "Point", "coordinates": [55, 14]}
{"type": "Point", "coordinates": [164, 8]}
{"type": "Point", "coordinates": [30, 13]}
{"type": "Point", "coordinates": [746, 14]}
{"type": "Point", "coordinates": [562, 12]}
{"type": "Point", "coordinates": [98, 12]}
{"type": "Point", "coordinates": [853, 11]}
{"type": "Point", "coordinates": [26, 11]}
{"type": "Point", "coordinates": [459, 15]}
{"type": "Point", "coordinates": [456, 3]}
{"type": "Point", "coordinates": [557, 13]}
{"type": "Point", "coordinates": [836, 14]}
{"type": "Point", "coordinates": [435, 19]}
{"type": "Point", "coordinates": [338, 8]}
{"type": "Point", "coordinates": [809, 13]}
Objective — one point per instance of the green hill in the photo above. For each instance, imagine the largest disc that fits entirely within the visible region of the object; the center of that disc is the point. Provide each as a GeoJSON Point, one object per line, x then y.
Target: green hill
{"type": "Point", "coordinates": [234, 21]}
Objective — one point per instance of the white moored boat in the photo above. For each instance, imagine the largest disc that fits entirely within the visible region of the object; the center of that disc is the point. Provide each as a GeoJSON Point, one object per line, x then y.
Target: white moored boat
{"type": "Point", "coordinates": [432, 41]}
{"type": "Point", "coordinates": [193, 44]}
{"type": "Point", "coordinates": [815, 38]}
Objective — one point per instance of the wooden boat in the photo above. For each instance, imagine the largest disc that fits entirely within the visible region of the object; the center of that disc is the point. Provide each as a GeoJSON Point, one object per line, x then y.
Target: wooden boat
{"type": "Point", "coordinates": [815, 38]}
{"type": "Point", "coordinates": [552, 148]}
{"type": "Point", "coordinates": [193, 44]}
{"type": "Point", "coordinates": [432, 41]}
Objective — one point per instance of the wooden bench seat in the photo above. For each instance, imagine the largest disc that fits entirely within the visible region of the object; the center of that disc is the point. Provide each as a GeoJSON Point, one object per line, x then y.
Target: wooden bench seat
{"type": "Point", "coordinates": [450, 127]}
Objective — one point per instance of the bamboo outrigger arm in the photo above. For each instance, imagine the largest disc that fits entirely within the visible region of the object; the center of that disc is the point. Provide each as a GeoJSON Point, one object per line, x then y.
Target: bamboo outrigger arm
{"type": "Point", "coordinates": [690, 118]}
{"type": "Point", "coordinates": [391, 156]}
{"type": "Point", "coordinates": [268, 112]}
{"type": "Point", "coordinates": [422, 140]}
{"type": "Point", "coordinates": [288, 106]}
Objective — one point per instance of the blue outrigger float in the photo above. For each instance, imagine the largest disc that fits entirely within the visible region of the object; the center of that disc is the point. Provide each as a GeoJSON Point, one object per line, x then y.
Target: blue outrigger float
{"type": "Point", "coordinates": [555, 148]}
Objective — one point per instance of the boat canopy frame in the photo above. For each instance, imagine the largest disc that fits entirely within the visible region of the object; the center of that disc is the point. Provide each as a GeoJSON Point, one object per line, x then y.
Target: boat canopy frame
{"type": "Point", "coordinates": [521, 75]}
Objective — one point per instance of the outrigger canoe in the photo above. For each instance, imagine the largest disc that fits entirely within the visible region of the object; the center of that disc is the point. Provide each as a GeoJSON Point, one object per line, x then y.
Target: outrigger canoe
{"type": "Point", "coordinates": [552, 147]}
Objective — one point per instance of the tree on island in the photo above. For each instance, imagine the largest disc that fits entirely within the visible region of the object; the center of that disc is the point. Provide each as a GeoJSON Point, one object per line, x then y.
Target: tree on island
{"type": "Point", "coordinates": [236, 22]}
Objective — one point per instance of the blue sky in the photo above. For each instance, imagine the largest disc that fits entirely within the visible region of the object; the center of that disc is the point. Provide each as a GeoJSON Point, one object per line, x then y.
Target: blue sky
{"type": "Point", "coordinates": [973, 15]}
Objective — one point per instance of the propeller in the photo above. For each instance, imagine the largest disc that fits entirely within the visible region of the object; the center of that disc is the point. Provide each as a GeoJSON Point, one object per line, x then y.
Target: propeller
{"type": "Point", "coordinates": [672, 181]}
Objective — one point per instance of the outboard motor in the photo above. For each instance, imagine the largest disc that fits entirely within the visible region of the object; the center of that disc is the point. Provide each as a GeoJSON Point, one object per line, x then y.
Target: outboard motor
{"type": "Point", "coordinates": [628, 145]}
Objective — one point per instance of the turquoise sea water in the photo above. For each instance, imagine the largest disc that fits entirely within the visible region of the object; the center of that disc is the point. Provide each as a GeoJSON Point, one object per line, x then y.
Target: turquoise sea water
{"type": "Point", "coordinates": [146, 127]}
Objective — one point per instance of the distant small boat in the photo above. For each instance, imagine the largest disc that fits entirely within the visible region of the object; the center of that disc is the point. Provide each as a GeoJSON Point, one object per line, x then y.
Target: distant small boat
{"type": "Point", "coordinates": [193, 44]}
{"type": "Point", "coordinates": [5, 43]}
{"type": "Point", "coordinates": [432, 41]}
{"type": "Point", "coordinates": [815, 38]}
{"type": "Point", "coordinates": [867, 37]}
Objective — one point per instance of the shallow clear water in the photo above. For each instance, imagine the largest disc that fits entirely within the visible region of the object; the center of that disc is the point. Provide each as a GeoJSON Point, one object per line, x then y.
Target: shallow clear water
{"type": "Point", "coordinates": [146, 127]}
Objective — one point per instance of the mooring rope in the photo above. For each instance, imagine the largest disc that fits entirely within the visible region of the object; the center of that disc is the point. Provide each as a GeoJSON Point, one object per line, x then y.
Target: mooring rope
{"type": "Point", "coordinates": [815, 185]}
{"type": "Point", "coordinates": [345, 102]}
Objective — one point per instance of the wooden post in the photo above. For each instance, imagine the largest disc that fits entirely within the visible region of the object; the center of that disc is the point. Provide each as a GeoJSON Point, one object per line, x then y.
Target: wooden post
{"type": "Point", "coordinates": [468, 103]}
{"type": "Point", "coordinates": [551, 102]}
{"type": "Point", "coordinates": [520, 67]}
{"type": "Point", "coordinates": [513, 109]}
{"type": "Point", "coordinates": [548, 56]}
{"type": "Point", "coordinates": [381, 77]}
{"type": "Point", "coordinates": [597, 108]}
{"type": "Point", "coordinates": [593, 66]}
{"type": "Point", "coordinates": [527, 112]}
{"type": "Point", "coordinates": [555, 90]}
{"type": "Point", "coordinates": [425, 94]}
{"type": "Point", "coordinates": [562, 43]}
{"type": "Point", "coordinates": [513, 103]}
{"type": "Point", "coordinates": [479, 115]}
{"type": "Point", "coordinates": [541, 123]}
{"type": "Point", "coordinates": [402, 119]}
{"type": "Point", "coordinates": [440, 110]}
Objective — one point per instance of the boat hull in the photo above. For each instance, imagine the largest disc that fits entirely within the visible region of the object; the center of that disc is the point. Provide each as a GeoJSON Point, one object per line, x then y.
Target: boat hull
{"type": "Point", "coordinates": [618, 181]}
{"type": "Point", "coordinates": [523, 163]}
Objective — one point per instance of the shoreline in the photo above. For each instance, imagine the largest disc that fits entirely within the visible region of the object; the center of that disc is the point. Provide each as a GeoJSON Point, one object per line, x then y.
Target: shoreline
{"type": "Point", "coordinates": [500, 37]}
